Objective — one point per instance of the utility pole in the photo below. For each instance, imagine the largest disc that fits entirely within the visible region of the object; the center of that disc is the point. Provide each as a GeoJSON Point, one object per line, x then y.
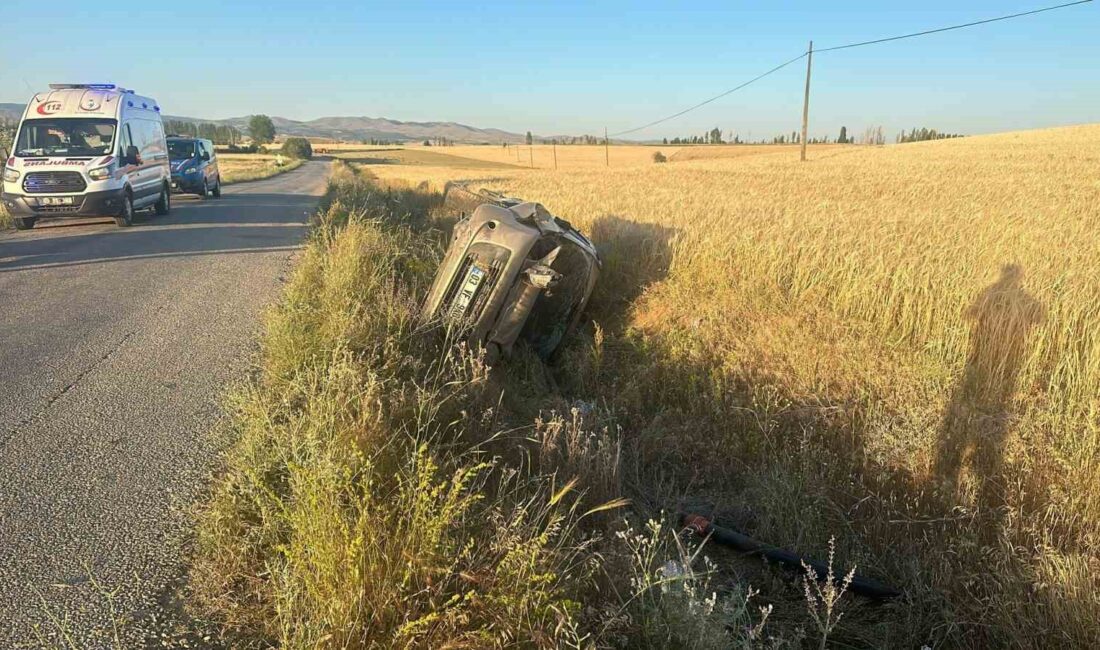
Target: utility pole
{"type": "Point", "coordinates": [555, 141]}
{"type": "Point", "coordinates": [531, 154]}
{"type": "Point", "coordinates": [806, 99]}
{"type": "Point", "coordinates": [606, 151]}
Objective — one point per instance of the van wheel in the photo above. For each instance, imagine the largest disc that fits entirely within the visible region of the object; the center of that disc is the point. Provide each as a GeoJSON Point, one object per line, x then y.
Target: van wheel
{"type": "Point", "coordinates": [205, 191]}
{"type": "Point", "coordinates": [218, 188]}
{"type": "Point", "coordinates": [125, 219]}
{"type": "Point", "coordinates": [164, 203]}
{"type": "Point", "coordinates": [24, 223]}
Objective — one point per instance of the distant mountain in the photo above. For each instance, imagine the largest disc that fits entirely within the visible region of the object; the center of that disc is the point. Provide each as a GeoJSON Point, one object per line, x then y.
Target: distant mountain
{"type": "Point", "coordinates": [365, 128]}
{"type": "Point", "coordinates": [11, 111]}
{"type": "Point", "coordinates": [349, 128]}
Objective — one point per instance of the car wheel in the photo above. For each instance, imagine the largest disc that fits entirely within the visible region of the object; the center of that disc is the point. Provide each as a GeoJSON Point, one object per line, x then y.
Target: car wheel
{"type": "Point", "coordinates": [24, 223]}
{"type": "Point", "coordinates": [204, 191]}
{"type": "Point", "coordinates": [125, 219]}
{"type": "Point", "coordinates": [218, 188]}
{"type": "Point", "coordinates": [164, 203]}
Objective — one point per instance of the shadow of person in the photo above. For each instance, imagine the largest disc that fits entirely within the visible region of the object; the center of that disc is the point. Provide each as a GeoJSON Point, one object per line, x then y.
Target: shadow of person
{"type": "Point", "coordinates": [979, 417]}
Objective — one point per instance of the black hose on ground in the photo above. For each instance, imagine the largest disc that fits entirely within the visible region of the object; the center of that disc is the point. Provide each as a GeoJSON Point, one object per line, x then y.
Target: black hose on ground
{"type": "Point", "coordinates": [704, 527]}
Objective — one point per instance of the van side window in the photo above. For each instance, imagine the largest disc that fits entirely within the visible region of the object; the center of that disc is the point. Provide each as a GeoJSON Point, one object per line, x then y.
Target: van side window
{"type": "Point", "coordinates": [148, 139]}
{"type": "Point", "coordinates": [124, 141]}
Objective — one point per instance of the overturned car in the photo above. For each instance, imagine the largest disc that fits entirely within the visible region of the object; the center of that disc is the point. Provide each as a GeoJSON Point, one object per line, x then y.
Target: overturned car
{"type": "Point", "coordinates": [513, 272]}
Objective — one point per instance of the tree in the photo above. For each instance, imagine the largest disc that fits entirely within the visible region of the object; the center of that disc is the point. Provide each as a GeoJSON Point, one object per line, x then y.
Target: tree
{"type": "Point", "coordinates": [261, 129]}
{"type": "Point", "coordinates": [297, 148]}
{"type": "Point", "coordinates": [530, 139]}
{"type": "Point", "coordinates": [843, 139]}
{"type": "Point", "coordinates": [7, 137]}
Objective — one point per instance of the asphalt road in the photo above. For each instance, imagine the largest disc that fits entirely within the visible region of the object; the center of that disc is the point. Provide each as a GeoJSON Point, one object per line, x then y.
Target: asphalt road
{"type": "Point", "coordinates": [115, 347]}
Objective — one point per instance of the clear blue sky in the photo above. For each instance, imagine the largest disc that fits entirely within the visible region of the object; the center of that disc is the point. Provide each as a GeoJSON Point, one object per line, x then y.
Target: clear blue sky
{"type": "Point", "coordinates": [570, 67]}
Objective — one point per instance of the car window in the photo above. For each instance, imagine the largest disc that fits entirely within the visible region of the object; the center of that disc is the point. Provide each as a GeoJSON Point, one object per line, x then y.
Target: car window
{"type": "Point", "coordinates": [181, 149]}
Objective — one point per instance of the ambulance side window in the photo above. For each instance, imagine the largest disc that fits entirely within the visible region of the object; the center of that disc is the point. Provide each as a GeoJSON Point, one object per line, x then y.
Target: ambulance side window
{"type": "Point", "coordinates": [124, 141]}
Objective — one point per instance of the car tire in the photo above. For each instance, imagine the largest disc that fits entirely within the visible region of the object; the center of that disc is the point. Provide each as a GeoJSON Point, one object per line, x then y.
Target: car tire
{"type": "Point", "coordinates": [204, 191]}
{"type": "Point", "coordinates": [218, 188]}
{"type": "Point", "coordinates": [24, 223]}
{"type": "Point", "coordinates": [164, 204]}
{"type": "Point", "coordinates": [125, 219]}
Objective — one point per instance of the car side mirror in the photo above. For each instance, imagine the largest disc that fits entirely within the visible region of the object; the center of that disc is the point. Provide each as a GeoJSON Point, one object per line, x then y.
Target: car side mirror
{"type": "Point", "coordinates": [132, 157]}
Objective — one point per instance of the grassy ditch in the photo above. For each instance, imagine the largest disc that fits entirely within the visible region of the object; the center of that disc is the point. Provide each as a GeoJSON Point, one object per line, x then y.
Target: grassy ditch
{"type": "Point", "coordinates": [388, 490]}
{"type": "Point", "coordinates": [239, 168]}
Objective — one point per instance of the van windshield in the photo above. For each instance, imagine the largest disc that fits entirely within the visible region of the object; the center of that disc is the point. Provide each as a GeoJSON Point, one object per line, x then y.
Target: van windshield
{"type": "Point", "coordinates": [181, 149]}
{"type": "Point", "coordinates": [65, 137]}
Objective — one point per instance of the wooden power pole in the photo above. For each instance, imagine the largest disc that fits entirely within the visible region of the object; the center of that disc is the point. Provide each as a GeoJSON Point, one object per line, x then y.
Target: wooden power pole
{"type": "Point", "coordinates": [531, 153]}
{"type": "Point", "coordinates": [806, 99]}
{"type": "Point", "coordinates": [555, 141]}
{"type": "Point", "coordinates": [606, 151]}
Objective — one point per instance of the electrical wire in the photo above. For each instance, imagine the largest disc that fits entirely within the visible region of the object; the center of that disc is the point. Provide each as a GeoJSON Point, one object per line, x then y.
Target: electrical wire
{"type": "Point", "coordinates": [716, 97]}
{"type": "Point", "coordinates": [947, 29]}
{"type": "Point", "coordinates": [844, 47]}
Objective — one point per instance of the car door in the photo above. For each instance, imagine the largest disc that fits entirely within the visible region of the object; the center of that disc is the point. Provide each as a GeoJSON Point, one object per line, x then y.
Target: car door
{"type": "Point", "coordinates": [133, 170]}
{"type": "Point", "coordinates": [207, 166]}
{"type": "Point", "coordinates": [215, 172]}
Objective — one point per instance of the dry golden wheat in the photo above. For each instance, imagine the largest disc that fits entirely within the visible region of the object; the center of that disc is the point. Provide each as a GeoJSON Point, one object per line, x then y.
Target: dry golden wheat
{"type": "Point", "coordinates": [897, 345]}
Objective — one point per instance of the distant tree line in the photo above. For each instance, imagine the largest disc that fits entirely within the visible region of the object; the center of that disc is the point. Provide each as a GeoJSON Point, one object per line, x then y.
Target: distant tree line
{"type": "Point", "coordinates": [218, 133]}
{"type": "Point", "coordinates": [379, 142]}
{"type": "Point", "coordinates": [922, 134]}
{"type": "Point", "coordinates": [7, 138]}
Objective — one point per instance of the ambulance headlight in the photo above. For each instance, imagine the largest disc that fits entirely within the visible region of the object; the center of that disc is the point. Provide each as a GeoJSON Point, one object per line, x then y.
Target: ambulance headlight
{"type": "Point", "coordinates": [10, 175]}
{"type": "Point", "coordinates": [99, 173]}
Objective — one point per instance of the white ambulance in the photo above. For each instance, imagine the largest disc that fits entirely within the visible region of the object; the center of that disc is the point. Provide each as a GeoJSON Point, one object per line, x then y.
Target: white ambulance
{"type": "Point", "coordinates": [87, 149]}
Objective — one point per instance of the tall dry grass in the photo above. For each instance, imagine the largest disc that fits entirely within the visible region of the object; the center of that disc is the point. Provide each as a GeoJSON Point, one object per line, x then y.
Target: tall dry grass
{"type": "Point", "coordinates": [377, 493]}
{"type": "Point", "coordinates": [894, 346]}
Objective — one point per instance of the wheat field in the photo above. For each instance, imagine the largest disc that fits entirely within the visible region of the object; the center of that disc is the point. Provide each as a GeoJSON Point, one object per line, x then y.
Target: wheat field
{"type": "Point", "coordinates": [898, 347]}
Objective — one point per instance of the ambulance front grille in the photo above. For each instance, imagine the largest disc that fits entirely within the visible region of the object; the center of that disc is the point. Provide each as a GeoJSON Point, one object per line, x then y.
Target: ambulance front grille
{"type": "Point", "coordinates": [53, 182]}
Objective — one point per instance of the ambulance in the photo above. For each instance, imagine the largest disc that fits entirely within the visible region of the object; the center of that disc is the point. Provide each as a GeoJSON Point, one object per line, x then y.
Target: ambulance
{"type": "Point", "coordinates": [87, 150]}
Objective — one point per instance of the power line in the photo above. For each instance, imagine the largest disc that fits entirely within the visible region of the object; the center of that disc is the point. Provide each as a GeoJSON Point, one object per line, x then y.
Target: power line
{"type": "Point", "coordinates": [843, 47]}
{"type": "Point", "coordinates": [947, 29]}
{"type": "Point", "coordinates": [716, 97]}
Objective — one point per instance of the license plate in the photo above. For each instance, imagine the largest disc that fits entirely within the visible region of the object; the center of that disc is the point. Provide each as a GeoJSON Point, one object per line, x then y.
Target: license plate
{"type": "Point", "coordinates": [469, 289]}
{"type": "Point", "coordinates": [55, 200]}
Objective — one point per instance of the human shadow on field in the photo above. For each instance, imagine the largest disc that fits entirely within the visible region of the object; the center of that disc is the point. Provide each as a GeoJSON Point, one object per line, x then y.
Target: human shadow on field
{"type": "Point", "coordinates": [980, 415]}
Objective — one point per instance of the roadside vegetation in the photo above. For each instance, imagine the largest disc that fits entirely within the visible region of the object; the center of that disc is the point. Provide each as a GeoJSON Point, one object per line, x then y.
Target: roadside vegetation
{"type": "Point", "coordinates": [893, 348]}
{"type": "Point", "coordinates": [388, 490]}
{"type": "Point", "coordinates": [238, 168]}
